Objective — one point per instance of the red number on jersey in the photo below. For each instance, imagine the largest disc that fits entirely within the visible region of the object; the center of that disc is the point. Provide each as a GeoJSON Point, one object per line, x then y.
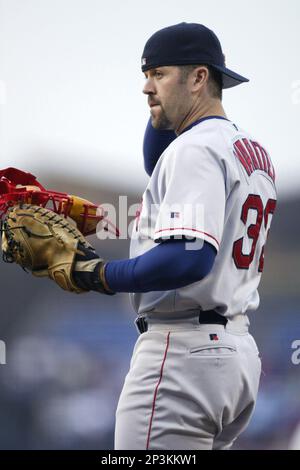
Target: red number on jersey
{"type": "Point", "coordinates": [254, 202]}
{"type": "Point", "coordinates": [270, 209]}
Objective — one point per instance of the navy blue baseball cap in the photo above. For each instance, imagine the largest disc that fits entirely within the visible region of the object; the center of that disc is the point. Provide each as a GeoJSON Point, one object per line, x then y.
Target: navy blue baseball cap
{"type": "Point", "coordinates": [188, 43]}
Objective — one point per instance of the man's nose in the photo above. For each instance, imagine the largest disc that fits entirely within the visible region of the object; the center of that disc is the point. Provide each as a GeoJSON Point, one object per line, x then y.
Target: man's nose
{"type": "Point", "coordinates": [148, 87]}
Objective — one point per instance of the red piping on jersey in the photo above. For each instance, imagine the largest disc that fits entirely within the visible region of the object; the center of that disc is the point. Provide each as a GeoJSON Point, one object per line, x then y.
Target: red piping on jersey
{"type": "Point", "coordinates": [156, 389]}
{"type": "Point", "coordinates": [192, 230]}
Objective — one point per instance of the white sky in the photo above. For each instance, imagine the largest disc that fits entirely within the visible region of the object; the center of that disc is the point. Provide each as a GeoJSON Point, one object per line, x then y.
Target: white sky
{"type": "Point", "coordinates": [71, 71]}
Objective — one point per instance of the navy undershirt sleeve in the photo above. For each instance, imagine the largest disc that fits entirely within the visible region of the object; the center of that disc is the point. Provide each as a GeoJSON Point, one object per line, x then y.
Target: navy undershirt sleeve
{"type": "Point", "coordinates": [165, 267]}
{"type": "Point", "coordinates": [155, 143]}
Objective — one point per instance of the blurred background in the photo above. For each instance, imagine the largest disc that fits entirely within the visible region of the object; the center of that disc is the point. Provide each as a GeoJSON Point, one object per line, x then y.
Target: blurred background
{"type": "Point", "coordinates": [72, 113]}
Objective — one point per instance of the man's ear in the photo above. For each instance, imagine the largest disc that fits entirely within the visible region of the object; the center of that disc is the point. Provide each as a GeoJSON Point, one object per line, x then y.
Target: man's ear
{"type": "Point", "coordinates": [200, 76]}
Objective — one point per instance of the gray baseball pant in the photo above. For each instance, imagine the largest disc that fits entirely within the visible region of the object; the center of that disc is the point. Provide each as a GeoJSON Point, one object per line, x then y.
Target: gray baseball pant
{"type": "Point", "coordinates": [190, 386]}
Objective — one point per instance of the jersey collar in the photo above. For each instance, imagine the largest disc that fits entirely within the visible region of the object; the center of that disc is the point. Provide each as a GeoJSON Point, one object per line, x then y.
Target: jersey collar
{"type": "Point", "coordinates": [206, 118]}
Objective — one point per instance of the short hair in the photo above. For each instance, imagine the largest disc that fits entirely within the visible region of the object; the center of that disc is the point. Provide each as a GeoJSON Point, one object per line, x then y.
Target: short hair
{"type": "Point", "coordinates": [215, 82]}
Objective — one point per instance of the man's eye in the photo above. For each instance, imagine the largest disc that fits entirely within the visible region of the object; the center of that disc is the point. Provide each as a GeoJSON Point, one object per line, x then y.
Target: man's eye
{"type": "Point", "coordinates": [158, 74]}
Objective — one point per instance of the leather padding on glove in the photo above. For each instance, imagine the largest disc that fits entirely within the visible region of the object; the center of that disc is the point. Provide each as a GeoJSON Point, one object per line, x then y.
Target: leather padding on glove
{"type": "Point", "coordinates": [45, 243]}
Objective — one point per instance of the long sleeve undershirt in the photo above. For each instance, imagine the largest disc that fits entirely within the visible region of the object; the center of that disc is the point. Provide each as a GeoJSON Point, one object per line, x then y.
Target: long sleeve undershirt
{"type": "Point", "coordinates": [165, 267]}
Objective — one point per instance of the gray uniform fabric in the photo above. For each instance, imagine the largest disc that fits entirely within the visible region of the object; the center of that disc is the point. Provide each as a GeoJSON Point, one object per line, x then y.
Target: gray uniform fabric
{"type": "Point", "coordinates": [190, 386]}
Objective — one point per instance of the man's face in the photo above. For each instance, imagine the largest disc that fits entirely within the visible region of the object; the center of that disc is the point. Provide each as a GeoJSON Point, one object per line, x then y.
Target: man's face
{"type": "Point", "coordinates": [168, 97]}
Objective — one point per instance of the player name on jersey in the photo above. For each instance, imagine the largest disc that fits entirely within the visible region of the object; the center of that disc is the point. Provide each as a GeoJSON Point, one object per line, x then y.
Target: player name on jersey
{"type": "Point", "coordinates": [253, 157]}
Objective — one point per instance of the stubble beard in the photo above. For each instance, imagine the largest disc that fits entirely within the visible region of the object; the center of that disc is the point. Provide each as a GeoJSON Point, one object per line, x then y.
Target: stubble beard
{"type": "Point", "coordinates": [161, 122]}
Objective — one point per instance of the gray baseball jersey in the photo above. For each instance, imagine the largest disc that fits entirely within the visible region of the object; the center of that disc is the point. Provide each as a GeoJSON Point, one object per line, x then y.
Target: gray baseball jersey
{"type": "Point", "coordinates": [214, 183]}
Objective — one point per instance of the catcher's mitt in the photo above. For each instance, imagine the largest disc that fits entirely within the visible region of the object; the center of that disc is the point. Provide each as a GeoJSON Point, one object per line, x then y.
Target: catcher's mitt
{"type": "Point", "coordinates": [47, 244]}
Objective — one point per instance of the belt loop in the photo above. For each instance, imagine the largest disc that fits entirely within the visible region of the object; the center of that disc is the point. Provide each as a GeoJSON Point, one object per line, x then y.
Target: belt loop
{"type": "Point", "coordinates": [141, 324]}
{"type": "Point", "coordinates": [212, 317]}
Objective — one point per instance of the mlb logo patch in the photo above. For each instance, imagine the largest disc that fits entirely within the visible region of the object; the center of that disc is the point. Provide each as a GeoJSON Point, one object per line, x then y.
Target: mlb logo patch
{"type": "Point", "coordinates": [175, 215]}
{"type": "Point", "coordinates": [214, 337]}
{"type": "Point", "coordinates": [144, 61]}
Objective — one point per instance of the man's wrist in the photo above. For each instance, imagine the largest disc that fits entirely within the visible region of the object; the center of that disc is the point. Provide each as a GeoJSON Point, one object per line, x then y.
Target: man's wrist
{"type": "Point", "coordinates": [90, 276]}
{"type": "Point", "coordinates": [101, 276]}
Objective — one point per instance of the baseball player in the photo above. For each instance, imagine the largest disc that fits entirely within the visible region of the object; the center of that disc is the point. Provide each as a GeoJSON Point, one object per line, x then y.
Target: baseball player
{"type": "Point", "coordinates": [196, 255]}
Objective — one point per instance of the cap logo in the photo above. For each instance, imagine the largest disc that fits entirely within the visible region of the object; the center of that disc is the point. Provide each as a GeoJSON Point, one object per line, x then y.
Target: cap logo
{"type": "Point", "coordinates": [144, 61]}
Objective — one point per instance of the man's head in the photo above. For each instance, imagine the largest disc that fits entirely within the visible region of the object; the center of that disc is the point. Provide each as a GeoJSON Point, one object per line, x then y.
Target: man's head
{"type": "Point", "coordinates": [182, 64]}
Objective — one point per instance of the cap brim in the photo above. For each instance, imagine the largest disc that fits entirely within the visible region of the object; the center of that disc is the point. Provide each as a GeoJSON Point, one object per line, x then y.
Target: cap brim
{"type": "Point", "coordinates": [230, 78]}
